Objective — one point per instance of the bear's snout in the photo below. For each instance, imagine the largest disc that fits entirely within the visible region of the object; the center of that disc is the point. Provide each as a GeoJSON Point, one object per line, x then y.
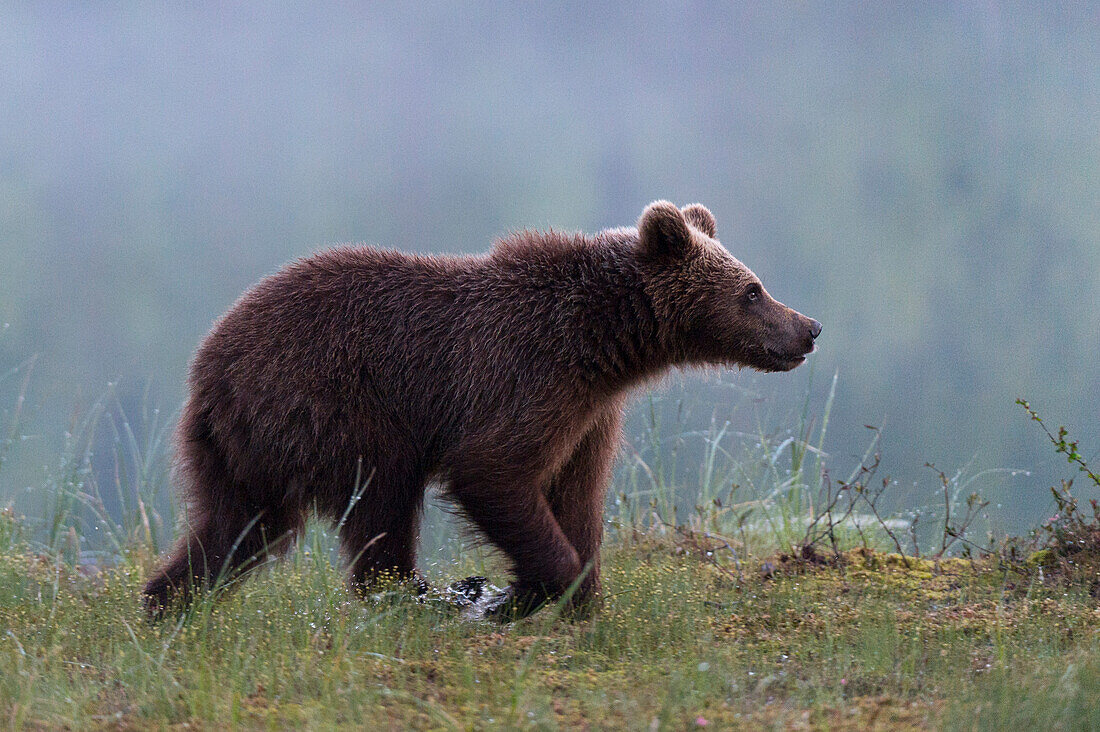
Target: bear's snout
{"type": "Point", "coordinates": [810, 330]}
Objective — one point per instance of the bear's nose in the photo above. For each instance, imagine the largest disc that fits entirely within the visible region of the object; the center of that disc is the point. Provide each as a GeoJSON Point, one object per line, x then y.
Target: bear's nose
{"type": "Point", "coordinates": [815, 329]}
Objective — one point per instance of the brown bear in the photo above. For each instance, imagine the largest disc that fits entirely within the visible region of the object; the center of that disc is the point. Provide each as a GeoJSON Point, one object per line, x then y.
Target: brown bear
{"type": "Point", "coordinates": [350, 379]}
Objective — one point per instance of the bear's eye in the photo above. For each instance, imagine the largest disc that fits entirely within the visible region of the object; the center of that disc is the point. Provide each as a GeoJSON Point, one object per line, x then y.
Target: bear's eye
{"type": "Point", "coordinates": [753, 293]}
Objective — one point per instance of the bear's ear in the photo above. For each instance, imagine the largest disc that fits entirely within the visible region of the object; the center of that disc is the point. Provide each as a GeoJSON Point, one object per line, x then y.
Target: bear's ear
{"type": "Point", "coordinates": [662, 230]}
{"type": "Point", "coordinates": [701, 218]}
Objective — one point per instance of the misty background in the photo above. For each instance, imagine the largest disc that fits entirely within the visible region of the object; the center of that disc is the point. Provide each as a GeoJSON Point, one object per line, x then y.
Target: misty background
{"type": "Point", "coordinates": [923, 179]}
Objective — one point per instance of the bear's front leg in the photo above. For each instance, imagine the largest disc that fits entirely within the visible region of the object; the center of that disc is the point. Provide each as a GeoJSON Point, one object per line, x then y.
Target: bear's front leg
{"type": "Point", "coordinates": [577, 495]}
{"type": "Point", "coordinates": [511, 510]}
{"type": "Point", "coordinates": [518, 601]}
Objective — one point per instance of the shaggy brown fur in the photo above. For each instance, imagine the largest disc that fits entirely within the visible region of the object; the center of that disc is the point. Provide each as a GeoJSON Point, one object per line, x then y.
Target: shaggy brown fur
{"type": "Point", "coordinates": [503, 376]}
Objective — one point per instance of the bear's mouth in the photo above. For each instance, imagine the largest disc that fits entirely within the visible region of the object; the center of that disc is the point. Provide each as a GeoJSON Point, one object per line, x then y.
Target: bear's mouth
{"type": "Point", "coordinates": [783, 361]}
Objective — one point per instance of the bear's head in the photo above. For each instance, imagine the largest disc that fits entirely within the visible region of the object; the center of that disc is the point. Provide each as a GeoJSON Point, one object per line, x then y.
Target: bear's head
{"type": "Point", "coordinates": [710, 307]}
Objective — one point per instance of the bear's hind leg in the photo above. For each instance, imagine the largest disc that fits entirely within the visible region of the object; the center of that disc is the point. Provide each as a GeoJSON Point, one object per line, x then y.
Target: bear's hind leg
{"type": "Point", "coordinates": [219, 547]}
{"type": "Point", "coordinates": [227, 535]}
{"type": "Point", "coordinates": [378, 535]}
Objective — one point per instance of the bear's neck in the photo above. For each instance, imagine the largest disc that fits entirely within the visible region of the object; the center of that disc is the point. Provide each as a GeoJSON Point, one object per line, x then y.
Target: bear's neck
{"type": "Point", "coordinates": [619, 343]}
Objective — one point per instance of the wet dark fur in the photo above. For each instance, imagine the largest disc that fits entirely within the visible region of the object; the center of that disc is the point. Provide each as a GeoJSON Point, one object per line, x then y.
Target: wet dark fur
{"type": "Point", "coordinates": [503, 376]}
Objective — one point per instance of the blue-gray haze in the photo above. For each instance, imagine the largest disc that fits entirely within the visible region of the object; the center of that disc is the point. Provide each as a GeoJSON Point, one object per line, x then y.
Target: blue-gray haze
{"type": "Point", "coordinates": [923, 178]}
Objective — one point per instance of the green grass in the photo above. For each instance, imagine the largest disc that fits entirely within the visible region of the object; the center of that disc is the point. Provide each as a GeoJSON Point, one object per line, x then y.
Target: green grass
{"type": "Point", "coordinates": [871, 642]}
{"type": "Point", "coordinates": [706, 620]}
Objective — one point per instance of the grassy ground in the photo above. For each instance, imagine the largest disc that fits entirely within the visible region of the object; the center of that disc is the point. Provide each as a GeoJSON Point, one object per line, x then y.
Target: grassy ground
{"type": "Point", "coordinates": [703, 624]}
{"type": "Point", "coordinates": [678, 644]}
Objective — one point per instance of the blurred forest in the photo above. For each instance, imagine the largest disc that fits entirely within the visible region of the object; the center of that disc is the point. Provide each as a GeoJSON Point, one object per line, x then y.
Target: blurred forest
{"type": "Point", "coordinates": [922, 178]}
